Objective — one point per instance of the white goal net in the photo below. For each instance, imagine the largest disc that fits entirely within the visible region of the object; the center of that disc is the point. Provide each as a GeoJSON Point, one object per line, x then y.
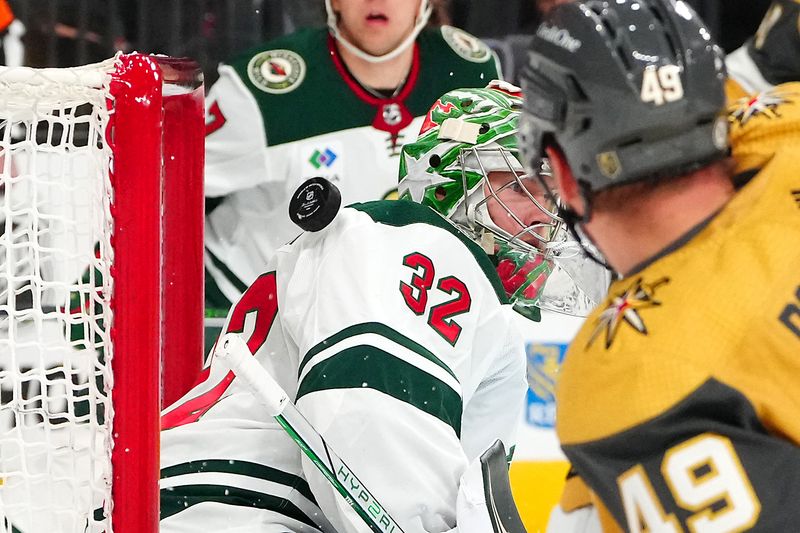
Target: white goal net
{"type": "Point", "coordinates": [101, 211]}
{"type": "Point", "coordinates": [55, 292]}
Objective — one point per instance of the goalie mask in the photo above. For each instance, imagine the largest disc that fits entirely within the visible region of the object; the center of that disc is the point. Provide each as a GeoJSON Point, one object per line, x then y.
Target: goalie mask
{"type": "Point", "coordinates": [465, 166]}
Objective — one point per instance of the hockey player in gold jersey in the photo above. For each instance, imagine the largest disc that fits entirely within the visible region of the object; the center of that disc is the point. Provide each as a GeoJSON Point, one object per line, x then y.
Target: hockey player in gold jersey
{"type": "Point", "coordinates": [678, 401]}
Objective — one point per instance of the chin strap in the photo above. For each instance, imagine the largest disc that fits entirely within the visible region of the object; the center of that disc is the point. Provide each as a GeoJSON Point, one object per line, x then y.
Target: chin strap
{"type": "Point", "coordinates": [574, 221]}
{"type": "Point", "coordinates": [425, 10]}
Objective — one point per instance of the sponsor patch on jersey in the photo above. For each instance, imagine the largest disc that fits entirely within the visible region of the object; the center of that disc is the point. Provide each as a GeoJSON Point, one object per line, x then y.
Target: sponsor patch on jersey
{"type": "Point", "coordinates": [325, 158]}
{"type": "Point", "coordinates": [625, 308]}
{"type": "Point", "coordinates": [469, 47]}
{"type": "Point", "coordinates": [544, 360]}
{"type": "Point", "coordinates": [322, 159]}
{"type": "Point", "coordinates": [277, 71]}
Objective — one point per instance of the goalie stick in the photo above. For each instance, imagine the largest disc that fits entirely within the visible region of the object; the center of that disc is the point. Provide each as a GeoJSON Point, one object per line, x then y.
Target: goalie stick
{"type": "Point", "coordinates": [497, 490]}
{"type": "Point", "coordinates": [234, 353]}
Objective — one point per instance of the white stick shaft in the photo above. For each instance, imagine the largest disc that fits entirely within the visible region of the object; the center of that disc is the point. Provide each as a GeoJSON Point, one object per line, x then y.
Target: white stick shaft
{"type": "Point", "coordinates": [234, 353]}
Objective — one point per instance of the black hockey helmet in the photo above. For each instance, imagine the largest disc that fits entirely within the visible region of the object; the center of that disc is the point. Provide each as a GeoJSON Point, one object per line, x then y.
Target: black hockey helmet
{"type": "Point", "coordinates": [629, 89]}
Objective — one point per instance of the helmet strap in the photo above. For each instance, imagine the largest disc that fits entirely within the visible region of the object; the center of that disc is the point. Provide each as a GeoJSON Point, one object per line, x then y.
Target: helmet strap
{"type": "Point", "coordinates": [425, 10]}
{"type": "Point", "coordinates": [574, 221]}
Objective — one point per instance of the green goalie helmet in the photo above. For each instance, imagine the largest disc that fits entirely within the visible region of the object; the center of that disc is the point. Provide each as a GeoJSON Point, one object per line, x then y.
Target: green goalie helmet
{"type": "Point", "coordinates": [465, 166]}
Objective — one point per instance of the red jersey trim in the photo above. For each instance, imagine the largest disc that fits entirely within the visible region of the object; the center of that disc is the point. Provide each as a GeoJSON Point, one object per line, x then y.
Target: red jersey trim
{"type": "Point", "coordinates": [362, 93]}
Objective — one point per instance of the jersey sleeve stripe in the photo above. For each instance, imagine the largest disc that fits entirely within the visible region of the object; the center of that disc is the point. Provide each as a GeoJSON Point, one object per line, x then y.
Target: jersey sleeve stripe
{"type": "Point", "coordinates": [375, 328]}
{"type": "Point", "coordinates": [399, 351]}
{"type": "Point", "coordinates": [245, 468]}
{"type": "Point", "coordinates": [365, 366]}
{"type": "Point", "coordinates": [177, 499]}
{"type": "Point", "coordinates": [179, 485]}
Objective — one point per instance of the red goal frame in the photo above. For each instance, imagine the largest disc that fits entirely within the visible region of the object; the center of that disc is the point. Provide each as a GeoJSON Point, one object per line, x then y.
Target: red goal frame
{"type": "Point", "coordinates": [157, 138]}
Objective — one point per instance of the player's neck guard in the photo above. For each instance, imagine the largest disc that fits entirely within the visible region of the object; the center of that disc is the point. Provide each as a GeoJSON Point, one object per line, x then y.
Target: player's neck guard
{"type": "Point", "coordinates": [425, 10]}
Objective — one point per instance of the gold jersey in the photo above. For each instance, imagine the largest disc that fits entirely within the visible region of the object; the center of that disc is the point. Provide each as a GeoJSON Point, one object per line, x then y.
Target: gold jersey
{"type": "Point", "coordinates": [734, 90]}
{"type": "Point", "coordinates": [765, 124]}
{"type": "Point", "coordinates": [679, 400]}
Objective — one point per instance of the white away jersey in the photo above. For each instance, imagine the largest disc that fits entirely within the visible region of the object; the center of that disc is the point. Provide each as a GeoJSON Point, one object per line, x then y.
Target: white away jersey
{"type": "Point", "coordinates": [391, 332]}
{"type": "Point", "coordinates": [289, 111]}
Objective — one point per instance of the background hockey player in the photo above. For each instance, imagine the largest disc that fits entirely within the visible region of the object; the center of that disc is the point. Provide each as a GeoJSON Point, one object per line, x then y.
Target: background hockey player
{"type": "Point", "coordinates": [391, 329]}
{"type": "Point", "coordinates": [668, 402]}
{"type": "Point", "coordinates": [337, 102]}
{"type": "Point", "coordinates": [771, 56]}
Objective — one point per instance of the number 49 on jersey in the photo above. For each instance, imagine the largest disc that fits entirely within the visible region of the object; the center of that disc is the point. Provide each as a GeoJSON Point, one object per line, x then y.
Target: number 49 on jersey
{"type": "Point", "coordinates": [701, 473]}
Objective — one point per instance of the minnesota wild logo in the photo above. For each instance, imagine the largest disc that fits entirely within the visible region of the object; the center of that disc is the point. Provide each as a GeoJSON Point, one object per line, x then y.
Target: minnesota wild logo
{"type": "Point", "coordinates": [276, 71]}
{"type": "Point", "coordinates": [626, 308]}
{"type": "Point", "coordinates": [440, 110]}
{"type": "Point", "coordinates": [465, 45]}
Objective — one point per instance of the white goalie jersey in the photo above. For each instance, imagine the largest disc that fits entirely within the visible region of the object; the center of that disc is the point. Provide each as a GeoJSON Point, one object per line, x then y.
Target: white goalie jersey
{"type": "Point", "coordinates": [290, 110]}
{"type": "Point", "coordinates": [390, 331]}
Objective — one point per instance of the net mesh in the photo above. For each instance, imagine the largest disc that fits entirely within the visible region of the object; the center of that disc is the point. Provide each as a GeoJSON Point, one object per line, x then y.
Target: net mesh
{"type": "Point", "coordinates": [55, 292]}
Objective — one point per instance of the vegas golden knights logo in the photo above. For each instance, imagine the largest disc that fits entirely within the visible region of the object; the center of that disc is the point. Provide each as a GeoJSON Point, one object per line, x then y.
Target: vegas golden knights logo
{"type": "Point", "coordinates": [625, 308]}
{"type": "Point", "coordinates": [609, 164]}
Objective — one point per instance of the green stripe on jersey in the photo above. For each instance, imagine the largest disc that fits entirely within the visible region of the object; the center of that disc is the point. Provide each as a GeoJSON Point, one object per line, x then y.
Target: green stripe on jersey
{"type": "Point", "coordinates": [230, 276]}
{"type": "Point", "coordinates": [14, 529]}
{"type": "Point", "coordinates": [216, 303]}
{"type": "Point", "coordinates": [378, 329]}
{"type": "Point", "coordinates": [370, 367]}
{"type": "Point", "coordinates": [244, 468]}
{"type": "Point", "coordinates": [405, 212]}
{"type": "Point", "coordinates": [177, 499]}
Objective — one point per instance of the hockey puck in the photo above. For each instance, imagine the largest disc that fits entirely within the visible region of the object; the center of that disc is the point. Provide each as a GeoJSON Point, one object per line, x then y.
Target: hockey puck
{"type": "Point", "coordinates": [314, 204]}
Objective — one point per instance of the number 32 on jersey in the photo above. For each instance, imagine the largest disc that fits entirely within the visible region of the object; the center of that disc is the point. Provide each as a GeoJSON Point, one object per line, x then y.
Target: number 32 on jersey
{"type": "Point", "coordinates": [415, 294]}
{"type": "Point", "coordinates": [702, 474]}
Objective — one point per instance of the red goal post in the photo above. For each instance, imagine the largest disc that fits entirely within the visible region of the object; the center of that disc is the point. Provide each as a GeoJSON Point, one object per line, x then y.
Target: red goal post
{"type": "Point", "coordinates": [101, 225]}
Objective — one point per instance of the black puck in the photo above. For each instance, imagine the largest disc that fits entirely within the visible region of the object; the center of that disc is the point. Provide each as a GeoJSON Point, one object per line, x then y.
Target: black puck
{"type": "Point", "coordinates": [314, 204]}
